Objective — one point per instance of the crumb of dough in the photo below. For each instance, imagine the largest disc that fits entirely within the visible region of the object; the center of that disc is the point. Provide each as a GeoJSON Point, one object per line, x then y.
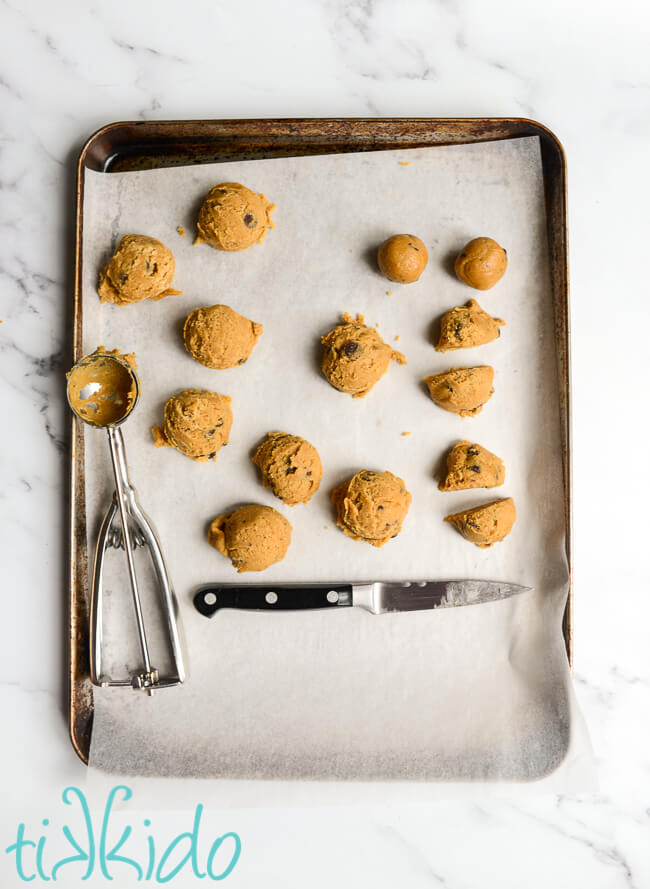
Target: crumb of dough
{"type": "Point", "coordinates": [371, 506]}
{"type": "Point", "coordinates": [181, 231]}
{"type": "Point", "coordinates": [355, 356]}
{"type": "Point", "coordinates": [140, 268]}
{"type": "Point", "coordinates": [253, 537]}
{"type": "Point", "coordinates": [114, 390]}
{"type": "Point", "coordinates": [404, 163]}
{"type": "Point", "coordinates": [397, 338]}
{"type": "Point", "coordinates": [405, 433]}
{"type": "Point", "coordinates": [389, 293]}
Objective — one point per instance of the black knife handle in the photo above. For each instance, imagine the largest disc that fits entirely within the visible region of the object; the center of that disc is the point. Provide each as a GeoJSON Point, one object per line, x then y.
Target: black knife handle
{"type": "Point", "coordinates": [210, 599]}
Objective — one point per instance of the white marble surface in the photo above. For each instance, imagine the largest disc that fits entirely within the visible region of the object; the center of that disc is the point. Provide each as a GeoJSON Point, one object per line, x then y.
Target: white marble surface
{"type": "Point", "coordinates": [581, 68]}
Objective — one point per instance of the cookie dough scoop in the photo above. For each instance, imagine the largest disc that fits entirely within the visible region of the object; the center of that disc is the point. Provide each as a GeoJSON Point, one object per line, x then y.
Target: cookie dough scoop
{"type": "Point", "coordinates": [102, 391]}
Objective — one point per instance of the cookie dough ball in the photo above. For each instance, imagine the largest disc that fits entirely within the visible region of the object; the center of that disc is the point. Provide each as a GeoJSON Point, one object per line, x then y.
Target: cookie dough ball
{"type": "Point", "coordinates": [485, 525]}
{"type": "Point", "coordinates": [355, 357]}
{"type": "Point", "coordinates": [290, 467]}
{"type": "Point", "coordinates": [462, 391]}
{"type": "Point", "coordinates": [196, 422]}
{"type": "Point", "coordinates": [481, 263]}
{"type": "Point", "coordinates": [218, 337]}
{"type": "Point", "coordinates": [402, 258]}
{"type": "Point", "coordinates": [232, 217]}
{"type": "Point", "coordinates": [472, 466]}
{"type": "Point", "coordinates": [371, 506]}
{"type": "Point", "coordinates": [252, 537]}
{"type": "Point", "coordinates": [467, 326]}
{"type": "Point", "coordinates": [141, 268]}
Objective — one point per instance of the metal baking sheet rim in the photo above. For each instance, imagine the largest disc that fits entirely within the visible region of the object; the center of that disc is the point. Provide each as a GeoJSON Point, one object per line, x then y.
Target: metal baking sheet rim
{"type": "Point", "coordinates": [150, 144]}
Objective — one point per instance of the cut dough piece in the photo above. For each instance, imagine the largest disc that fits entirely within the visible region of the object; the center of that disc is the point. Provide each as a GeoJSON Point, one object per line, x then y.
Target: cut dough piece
{"type": "Point", "coordinates": [472, 466]}
{"type": "Point", "coordinates": [466, 326]}
{"type": "Point", "coordinates": [462, 391]}
{"type": "Point", "coordinates": [485, 525]}
{"type": "Point", "coordinates": [141, 268]}
{"type": "Point", "coordinates": [252, 537]}
{"type": "Point", "coordinates": [218, 337]}
{"type": "Point", "coordinates": [372, 506]}
{"type": "Point", "coordinates": [481, 263]}
{"type": "Point", "coordinates": [196, 422]}
{"type": "Point", "coordinates": [232, 217]}
{"type": "Point", "coordinates": [290, 466]}
{"type": "Point", "coordinates": [355, 357]}
{"type": "Point", "coordinates": [402, 258]}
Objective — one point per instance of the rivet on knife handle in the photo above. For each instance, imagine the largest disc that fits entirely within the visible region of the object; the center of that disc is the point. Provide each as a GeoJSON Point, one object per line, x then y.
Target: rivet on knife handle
{"type": "Point", "coordinates": [210, 599]}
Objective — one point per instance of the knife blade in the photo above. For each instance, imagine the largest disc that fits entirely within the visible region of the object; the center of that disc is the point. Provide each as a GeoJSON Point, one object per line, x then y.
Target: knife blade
{"type": "Point", "coordinates": [378, 597]}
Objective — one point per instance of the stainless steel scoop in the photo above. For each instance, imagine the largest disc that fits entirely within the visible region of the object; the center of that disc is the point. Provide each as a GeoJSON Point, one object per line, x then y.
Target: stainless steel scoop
{"type": "Point", "coordinates": [103, 390]}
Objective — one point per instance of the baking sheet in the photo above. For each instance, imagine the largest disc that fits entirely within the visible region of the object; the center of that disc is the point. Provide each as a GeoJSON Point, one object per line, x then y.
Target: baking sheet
{"type": "Point", "coordinates": [476, 693]}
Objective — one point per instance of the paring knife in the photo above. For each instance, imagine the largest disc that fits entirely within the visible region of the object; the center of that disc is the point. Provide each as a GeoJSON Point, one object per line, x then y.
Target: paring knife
{"type": "Point", "coordinates": [378, 598]}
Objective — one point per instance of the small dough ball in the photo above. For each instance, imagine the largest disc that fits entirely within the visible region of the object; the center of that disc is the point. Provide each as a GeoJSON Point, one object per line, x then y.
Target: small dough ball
{"type": "Point", "coordinates": [485, 525]}
{"type": "Point", "coordinates": [141, 268]}
{"type": "Point", "coordinates": [472, 466]}
{"type": "Point", "coordinates": [218, 337]}
{"type": "Point", "coordinates": [467, 326]}
{"type": "Point", "coordinates": [462, 391]}
{"type": "Point", "coordinates": [232, 217]}
{"type": "Point", "coordinates": [372, 506]}
{"type": "Point", "coordinates": [355, 357]}
{"type": "Point", "coordinates": [252, 537]}
{"type": "Point", "coordinates": [402, 258]}
{"type": "Point", "coordinates": [481, 263]}
{"type": "Point", "coordinates": [290, 467]}
{"type": "Point", "coordinates": [196, 422]}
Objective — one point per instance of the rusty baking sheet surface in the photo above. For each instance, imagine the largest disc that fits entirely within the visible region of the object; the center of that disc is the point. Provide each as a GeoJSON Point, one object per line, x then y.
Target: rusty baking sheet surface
{"type": "Point", "coordinates": [121, 147]}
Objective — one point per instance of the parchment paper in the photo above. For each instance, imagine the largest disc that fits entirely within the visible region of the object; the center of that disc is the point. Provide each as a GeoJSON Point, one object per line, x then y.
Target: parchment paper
{"type": "Point", "coordinates": [465, 694]}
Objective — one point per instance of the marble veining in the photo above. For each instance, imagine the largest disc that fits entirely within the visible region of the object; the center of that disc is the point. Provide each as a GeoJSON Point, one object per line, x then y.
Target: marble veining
{"type": "Point", "coordinates": [582, 72]}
